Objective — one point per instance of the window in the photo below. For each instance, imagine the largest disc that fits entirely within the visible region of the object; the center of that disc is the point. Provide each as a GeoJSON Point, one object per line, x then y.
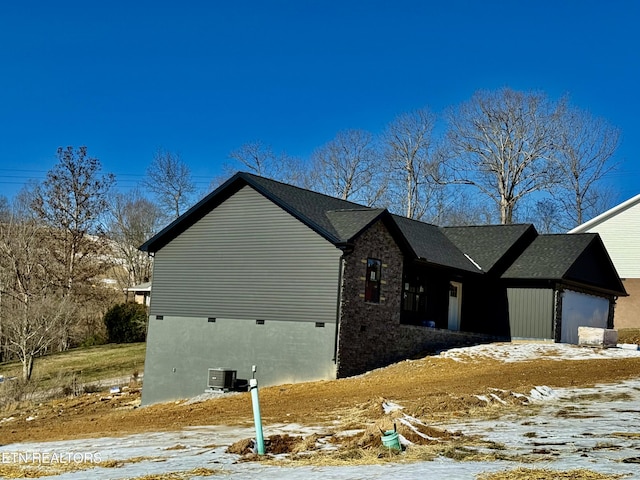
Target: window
{"type": "Point", "coordinates": [414, 298]}
{"type": "Point", "coordinates": [414, 293]}
{"type": "Point", "coordinates": [372, 281]}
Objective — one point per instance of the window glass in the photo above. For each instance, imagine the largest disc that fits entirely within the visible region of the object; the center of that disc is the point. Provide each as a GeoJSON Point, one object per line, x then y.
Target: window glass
{"type": "Point", "coordinates": [414, 295]}
{"type": "Point", "coordinates": [372, 281]}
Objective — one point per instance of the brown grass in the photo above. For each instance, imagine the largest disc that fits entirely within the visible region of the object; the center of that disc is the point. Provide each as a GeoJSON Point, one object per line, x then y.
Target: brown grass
{"type": "Point", "coordinates": [36, 468]}
{"type": "Point", "coordinates": [546, 474]}
{"type": "Point", "coordinates": [629, 335]}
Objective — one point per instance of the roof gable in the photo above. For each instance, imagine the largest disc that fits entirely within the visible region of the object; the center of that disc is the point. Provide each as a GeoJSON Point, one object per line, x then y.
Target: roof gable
{"type": "Point", "coordinates": [492, 247]}
{"type": "Point", "coordinates": [579, 258]}
{"type": "Point", "coordinates": [309, 207]}
{"type": "Point", "coordinates": [430, 244]}
{"type": "Point", "coordinates": [349, 223]}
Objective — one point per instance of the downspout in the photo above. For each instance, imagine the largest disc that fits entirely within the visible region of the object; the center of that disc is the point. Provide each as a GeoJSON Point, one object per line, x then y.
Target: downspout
{"type": "Point", "coordinates": [612, 307]}
{"type": "Point", "coordinates": [338, 307]}
{"type": "Point", "coordinates": [557, 323]}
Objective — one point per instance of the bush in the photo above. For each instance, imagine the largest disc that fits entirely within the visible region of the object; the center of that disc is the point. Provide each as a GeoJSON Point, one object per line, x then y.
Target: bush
{"type": "Point", "coordinates": [126, 323]}
{"type": "Point", "coordinates": [16, 390]}
{"type": "Point", "coordinates": [93, 340]}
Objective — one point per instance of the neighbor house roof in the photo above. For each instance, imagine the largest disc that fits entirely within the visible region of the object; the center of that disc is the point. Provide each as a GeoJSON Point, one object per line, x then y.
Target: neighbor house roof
{"type": "Point", "coordinates": [141, 287]}
{"type": "Point", "coordinates": [603, 217]}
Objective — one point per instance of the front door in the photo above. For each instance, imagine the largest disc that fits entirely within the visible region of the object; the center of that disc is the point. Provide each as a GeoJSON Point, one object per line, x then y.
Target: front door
{"type": "Point", "coordinates": [455, 305]}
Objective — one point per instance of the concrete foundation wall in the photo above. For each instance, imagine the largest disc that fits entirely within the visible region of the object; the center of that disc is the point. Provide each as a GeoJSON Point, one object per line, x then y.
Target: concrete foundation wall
{"type": "Point", "coordinates": [180, 350]}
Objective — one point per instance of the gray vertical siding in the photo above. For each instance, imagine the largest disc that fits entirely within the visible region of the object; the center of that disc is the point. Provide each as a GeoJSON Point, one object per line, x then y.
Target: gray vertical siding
{"type": "Point", "coordinates": [247, 259]}
{"type": "Point", "coordinates": [531, 312]}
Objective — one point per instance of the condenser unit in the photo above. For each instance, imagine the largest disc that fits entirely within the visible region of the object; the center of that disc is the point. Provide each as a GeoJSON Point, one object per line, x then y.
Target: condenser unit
{"type": "Point", "coordinates": [221, 379]}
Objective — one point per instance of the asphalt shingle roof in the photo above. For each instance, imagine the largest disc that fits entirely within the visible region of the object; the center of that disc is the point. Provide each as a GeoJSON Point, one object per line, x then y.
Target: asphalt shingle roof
{"type": "Point", "coordinates": [311, 207]}
{"type": "Point", "coordinates": [549, 257]}
{"type": "Point", "coordinates": [474, 249]}
{"type": "Point", "coordinates": [348, 223]}
{"type": "Point", "coordinates": [430, 244]}
{"type": "Point", "coordinates": [486, 244]}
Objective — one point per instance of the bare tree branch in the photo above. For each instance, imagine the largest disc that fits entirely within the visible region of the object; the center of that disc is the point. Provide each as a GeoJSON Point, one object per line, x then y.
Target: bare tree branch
{"type": "Point", "coordinates": [504, 144]}
{"type": "Point", "coordinates": [169, 178]}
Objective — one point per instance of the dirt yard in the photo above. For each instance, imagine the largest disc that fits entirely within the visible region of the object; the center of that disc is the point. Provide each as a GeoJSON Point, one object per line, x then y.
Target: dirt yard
{"type": "Point", "coordinates": [431, 388]}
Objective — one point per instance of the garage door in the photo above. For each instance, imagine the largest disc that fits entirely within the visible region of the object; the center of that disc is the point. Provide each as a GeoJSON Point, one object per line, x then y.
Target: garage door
{"type": "Point", "coordinates": [582, 310]}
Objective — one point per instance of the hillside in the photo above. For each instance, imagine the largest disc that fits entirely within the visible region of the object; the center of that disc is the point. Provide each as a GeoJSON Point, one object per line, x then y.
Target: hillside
{"type": "Point", "coordinates": [430, 388]}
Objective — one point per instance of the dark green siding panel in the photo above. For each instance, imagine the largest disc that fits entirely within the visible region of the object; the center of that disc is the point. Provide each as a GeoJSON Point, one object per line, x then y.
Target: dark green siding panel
{"type": "Point", "coordinates": [248, 259]}
{"type": "Point", "coordinates": [531, 313]}
{"type": "Point", "coordinates": [180, 350]}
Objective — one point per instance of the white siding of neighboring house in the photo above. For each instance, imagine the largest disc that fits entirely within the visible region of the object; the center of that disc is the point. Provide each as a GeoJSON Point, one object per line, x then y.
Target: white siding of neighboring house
{"type": "Point", "coordinates": [619, 229]}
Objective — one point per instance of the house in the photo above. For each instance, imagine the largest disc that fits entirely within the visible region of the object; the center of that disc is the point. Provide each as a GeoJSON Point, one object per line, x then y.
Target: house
{"type": "Point", "coordinates": [308, 287]}
{"type": "Point", "coordinates": [141, 293]}
{"type": "Point", "coordinates": [619, 229]}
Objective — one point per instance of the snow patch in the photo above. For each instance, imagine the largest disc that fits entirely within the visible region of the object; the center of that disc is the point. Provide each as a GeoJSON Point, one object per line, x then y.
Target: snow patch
{"type": "Point", "coordinates": [389, 407]}
{"type": "Point", "coordinates": [542, 393]}
{"type": "Point", "coordinates": [519, 352]}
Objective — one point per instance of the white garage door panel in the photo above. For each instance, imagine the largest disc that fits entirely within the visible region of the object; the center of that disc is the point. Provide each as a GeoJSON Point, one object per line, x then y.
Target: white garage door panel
{"type": "Point", "coordinates": [582, 310]}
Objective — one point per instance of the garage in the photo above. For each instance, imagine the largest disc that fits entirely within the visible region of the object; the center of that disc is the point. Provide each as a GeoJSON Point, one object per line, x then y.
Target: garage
{"type": "Point", "coordinates": [581, 310]}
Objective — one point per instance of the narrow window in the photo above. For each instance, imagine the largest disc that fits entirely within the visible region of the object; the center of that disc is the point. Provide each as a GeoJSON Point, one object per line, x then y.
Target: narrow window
{"type": "Point", "coordinates": [372, 281]}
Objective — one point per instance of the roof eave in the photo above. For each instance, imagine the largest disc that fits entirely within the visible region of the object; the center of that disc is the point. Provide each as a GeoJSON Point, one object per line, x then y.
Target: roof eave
{"type": "Point", "coordinates": [606, 215]}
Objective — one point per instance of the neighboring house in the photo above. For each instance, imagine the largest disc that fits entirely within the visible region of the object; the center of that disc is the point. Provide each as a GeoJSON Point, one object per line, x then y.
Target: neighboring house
{"type": "Point", "coordinates": [619, 229]}
{"type": "Point", "coordinates": [141, 293]}
{"type": "Point", "coordinates": [307, 287]}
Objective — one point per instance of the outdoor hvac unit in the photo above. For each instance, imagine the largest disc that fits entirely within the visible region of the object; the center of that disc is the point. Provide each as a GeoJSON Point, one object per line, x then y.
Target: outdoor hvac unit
{"type": "Point", "coordinates": [221, 379]}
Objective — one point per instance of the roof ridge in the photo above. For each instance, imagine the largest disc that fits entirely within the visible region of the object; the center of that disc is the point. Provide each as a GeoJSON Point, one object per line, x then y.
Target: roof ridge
{"type": "Point", "coordinates": [303, 189]}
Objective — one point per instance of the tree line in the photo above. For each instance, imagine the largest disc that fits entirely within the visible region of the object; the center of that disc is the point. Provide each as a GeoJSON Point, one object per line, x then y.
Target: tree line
{"type": "Point", "coordinates": [504, 156]}
{"type": "Point", "coordinates": [69, 245]}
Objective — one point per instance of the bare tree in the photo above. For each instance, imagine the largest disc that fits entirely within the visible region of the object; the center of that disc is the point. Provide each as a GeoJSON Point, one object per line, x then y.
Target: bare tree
{"type": "Point", "coordinates": [134, 219]}
{"type": "Point", "coordinates": [415, 165]}
{"type": "Point", "coordinates": [259, 158]}
{"type": "Point", "coordinates": [456, 205]}
{"type": "Point", "coordinates": [347, 167]}
{"type": "Point", "coordinates": [586, 147]}
{"type": "Point", "coordinates": [546, 215]}
{"type": "Point", "coordinates": [504, 144]}
{"type": "Point", "coordinates": [169, 178]}
{"type": "Point", "coordinates": [34, 314]}
{"type": "Point", "coordinates": [71, 202]}
{"type": "Point", "coordinates": [4, 209]}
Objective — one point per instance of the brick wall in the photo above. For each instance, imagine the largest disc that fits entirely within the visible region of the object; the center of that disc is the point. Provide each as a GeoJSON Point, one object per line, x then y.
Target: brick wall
{"type": "Point", "coordinates": [370, 335]}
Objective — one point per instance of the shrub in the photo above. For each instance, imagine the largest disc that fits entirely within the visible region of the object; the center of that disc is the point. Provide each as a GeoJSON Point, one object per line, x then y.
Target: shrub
{"type": "Point", "coordinates": [126, 323]}
{"type": "Point", "coordinates": [93, 340]}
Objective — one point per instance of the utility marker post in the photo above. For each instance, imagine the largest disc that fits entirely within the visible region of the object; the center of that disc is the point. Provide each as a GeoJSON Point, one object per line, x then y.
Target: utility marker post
{"type": "Point", "coordinates": [253, 387]}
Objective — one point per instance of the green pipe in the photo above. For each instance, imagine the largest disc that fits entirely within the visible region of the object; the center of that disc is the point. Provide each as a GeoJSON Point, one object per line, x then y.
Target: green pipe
{"type": "Point", "coordinates": [253, 387]}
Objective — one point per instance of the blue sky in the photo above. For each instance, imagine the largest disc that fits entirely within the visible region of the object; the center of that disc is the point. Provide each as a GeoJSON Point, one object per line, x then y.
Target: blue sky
{"type": "Point", "coordinates": [201, 78]}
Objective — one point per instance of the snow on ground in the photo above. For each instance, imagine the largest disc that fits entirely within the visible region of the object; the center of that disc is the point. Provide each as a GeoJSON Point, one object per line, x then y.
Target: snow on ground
{"type": "Point", "coordinates": [594, 428]}
{"type": "Point", "coordinates": [518, 352]}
